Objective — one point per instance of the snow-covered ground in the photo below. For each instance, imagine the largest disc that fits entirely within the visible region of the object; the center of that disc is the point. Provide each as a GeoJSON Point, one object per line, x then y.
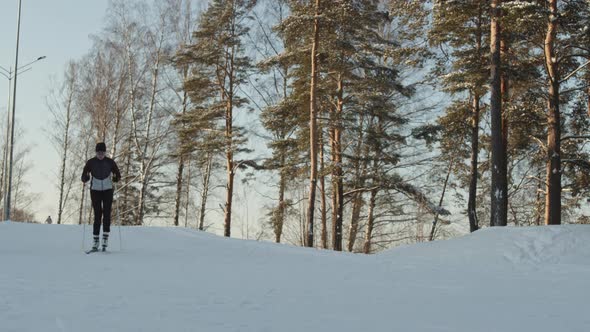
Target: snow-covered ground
{"type": "Point", "coordinates": [174, 279]}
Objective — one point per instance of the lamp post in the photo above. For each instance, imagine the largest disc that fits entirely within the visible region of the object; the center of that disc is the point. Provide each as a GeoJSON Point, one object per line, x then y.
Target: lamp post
{"type": "Point", "coordinates": [11, 136]}
{"type": "Point", "coordinates": [11, 153]}
{"type": "Point", "coordinates": [8, 74]}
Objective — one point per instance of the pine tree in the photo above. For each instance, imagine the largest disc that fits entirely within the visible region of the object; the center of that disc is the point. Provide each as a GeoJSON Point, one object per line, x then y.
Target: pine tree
{"type": "Point", "coordinates": [218, 68]}
{"type": "Point", "coordinates": [463, 26]}
{"type": "Point", "coordinates": [558, 31]}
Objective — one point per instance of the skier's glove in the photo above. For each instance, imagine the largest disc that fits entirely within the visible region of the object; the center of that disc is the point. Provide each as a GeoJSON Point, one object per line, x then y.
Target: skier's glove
{"type": "Point", "coordinates": [115, 178]}
{"type": "Point", "coordinates": [85, 178]}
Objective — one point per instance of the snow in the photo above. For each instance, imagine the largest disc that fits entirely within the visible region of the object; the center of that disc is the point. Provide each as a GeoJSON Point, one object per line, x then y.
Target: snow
{"type": "Point", "coordinates": [176, 279]}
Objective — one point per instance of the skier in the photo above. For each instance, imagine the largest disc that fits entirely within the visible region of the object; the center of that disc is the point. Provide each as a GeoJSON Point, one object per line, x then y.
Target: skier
{"type": "Point", "coordinates": [101, 192]}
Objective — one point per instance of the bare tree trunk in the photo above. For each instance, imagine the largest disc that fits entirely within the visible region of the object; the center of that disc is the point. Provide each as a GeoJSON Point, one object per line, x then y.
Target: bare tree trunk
{"type": "Point", "coordinates": [188, 193]}
{"type": "Point", "coordinates": [499, 195]}
{"type": "Point", "coordinates": [440, 203]}
{"type": "Point", "coordinates": [66, 141]}
{"type": "Point", "coordinates": [420, 224]}
{"type": "Point", "coordinates": [357, 204]}
{"type": "Point", "coordinates": [205, 192]}
{"type": "Point", "coordinates": [280, 220]}
{"type": "Point", "coordinates": [229, 194]}
{"type": "Point", "coordinates": [338, 200]}
{"type": "Point", "coordinates": [505, 91]}
{"type": "Point", "coordinates": [180, 161]}
{"type": "Point", "coordinates": [553, 197]}
{"type": "Point", "coordinates": [229, 150]}
{"type": "Point", "coordinates": [373, 197]}
{"type": "Point", "coordinates": [539, 203]}
{"type": "Point", "coordinates": [476, 110]}
{"type": "Point", "coordinates": [81, 216]}
{"type": "Point", "coordinates": [133, 135]}
{"type": "Point", "coordinates": [177, 200]}
{"type": "Point", "coordinates": [126, 220]}
{"type": "Point", "coordinates": [119, 113]}
{"type": "Point", "coordinates": [145, 161]}
{"type": "Point", "coordinates": [282, 205]}
{"type": "Point", "coordinates": [323, 205]}
{"type": "Point", "coordinates": [313, 135]}
{"type": "Point", "coordinates": [370, 221]}
{"type": "Point", "coordinates": [471, 203]}
{"type": "Point", "coordinates": [357, 198]}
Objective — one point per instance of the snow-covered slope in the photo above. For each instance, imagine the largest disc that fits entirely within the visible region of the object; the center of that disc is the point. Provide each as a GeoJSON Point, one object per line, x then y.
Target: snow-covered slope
{"type": "Point", "coordinates": [174, 279]}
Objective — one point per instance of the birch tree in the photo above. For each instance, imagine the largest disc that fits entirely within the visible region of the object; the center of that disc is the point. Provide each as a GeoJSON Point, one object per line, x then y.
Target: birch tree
{"type": "Point", "coordinates": [62, 109]}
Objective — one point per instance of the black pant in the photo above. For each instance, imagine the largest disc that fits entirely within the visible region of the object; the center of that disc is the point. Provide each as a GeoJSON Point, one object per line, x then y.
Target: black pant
{"type": "Point", "coordinates": [102, 200]}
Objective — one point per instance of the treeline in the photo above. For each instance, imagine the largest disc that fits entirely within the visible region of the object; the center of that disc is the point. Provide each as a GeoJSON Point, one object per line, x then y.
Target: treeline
{"type": "Point", "coordinates": [362, 123]}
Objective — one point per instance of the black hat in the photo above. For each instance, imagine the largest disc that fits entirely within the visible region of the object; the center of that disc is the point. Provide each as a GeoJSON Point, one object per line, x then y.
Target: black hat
{"type": "Point", "coordinates": [101, 147]}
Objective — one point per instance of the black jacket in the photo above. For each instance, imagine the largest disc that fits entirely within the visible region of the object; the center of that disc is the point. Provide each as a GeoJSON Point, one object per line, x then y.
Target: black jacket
{"type": "Point", "coordinates": [101, 169]}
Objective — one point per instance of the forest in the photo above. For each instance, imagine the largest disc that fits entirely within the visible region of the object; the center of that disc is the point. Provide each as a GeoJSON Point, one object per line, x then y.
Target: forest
{"type": "Point", "coordinates": [351, 125]}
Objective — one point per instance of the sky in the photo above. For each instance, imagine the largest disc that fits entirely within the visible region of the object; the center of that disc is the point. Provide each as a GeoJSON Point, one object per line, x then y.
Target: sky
{"type": "Point", "coordinates": [59, 30]}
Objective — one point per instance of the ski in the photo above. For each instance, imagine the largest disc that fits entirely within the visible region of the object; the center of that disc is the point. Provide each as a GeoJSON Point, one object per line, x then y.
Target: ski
{"type": "Point", "coordinates": [96, 250]}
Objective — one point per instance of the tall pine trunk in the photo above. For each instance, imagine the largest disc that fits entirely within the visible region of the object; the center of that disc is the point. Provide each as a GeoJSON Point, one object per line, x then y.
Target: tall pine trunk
{"type": "Point", "coordinates": [205, 192]}
{"type": "Point", "coordinates": [323, 205]}
{"type": "Point", "coordinates": [499, 195]}
{"type": "Point", "coordinates": [375, 183]}
{"type": "Point", "coordinates": [188, 192]}
{"type": "Point", "coordinates": [181, 161]}
{"type": "Point", "coordinates": [370, 221]}
{"type": "Point", "coordinates": [313, 135]}
{"type": "Point", "coordinates": [475, 115]}
{"type": "Point", "coordinates": [338, 200]}
{"type": "Point", "coordinates": [471, 203]}
{"type": "Point", "coordinates": [230, 173]}
{"type": "Point", "coordinates": [229, 153]}
{"type": "Point", "coordinates": [359, 181]}
{"type": "Point", "coordinates": [280, 220]}
{"type": "Point", "coordinates": [178, 197]}
{"type": "Point", "coordinates": [553, 197]}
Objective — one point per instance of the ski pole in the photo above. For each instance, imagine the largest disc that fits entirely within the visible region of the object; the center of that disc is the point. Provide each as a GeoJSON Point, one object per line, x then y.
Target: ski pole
{"type": "Point", "coordinates": [83, 221]}
{"type": "Point", "coordinates": [119, 220]}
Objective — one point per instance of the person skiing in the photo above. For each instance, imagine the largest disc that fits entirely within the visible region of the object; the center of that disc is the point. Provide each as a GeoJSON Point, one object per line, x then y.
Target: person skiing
{"type": "Point", "coordinates": [101, 192]}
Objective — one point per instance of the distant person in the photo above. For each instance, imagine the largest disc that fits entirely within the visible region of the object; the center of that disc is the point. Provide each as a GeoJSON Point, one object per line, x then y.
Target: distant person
{"type": "Point", "coordinates": [104, 172]}
{"type": "Point", "coordinates": [48, 220]}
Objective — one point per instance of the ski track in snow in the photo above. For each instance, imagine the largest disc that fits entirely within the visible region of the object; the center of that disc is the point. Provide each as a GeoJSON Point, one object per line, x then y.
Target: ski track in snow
{"type": "Point", "coordinates": [176, 279]}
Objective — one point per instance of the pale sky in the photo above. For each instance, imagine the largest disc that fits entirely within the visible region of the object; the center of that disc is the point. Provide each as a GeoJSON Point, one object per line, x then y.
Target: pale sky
{"type": "Point", "coordinates": [58, 29]}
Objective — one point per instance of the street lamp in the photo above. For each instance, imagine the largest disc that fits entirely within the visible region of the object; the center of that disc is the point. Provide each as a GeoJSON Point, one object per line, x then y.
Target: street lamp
{"type": "Point", "coordinates": [11, 153]}
{"type": "Point", "coordinates": [9, 75]}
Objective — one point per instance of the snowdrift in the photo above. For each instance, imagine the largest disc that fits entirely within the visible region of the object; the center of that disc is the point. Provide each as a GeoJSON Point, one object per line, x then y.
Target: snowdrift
{"type": "Point", "coordinates": [175, 279]}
